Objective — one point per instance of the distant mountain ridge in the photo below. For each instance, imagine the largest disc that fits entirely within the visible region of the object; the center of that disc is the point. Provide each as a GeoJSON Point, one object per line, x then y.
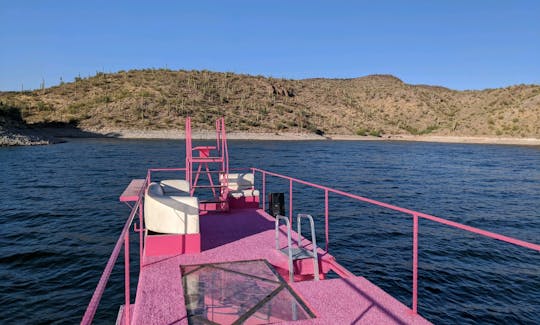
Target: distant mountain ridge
{"type": "Point", "coordinates": [371, 105]}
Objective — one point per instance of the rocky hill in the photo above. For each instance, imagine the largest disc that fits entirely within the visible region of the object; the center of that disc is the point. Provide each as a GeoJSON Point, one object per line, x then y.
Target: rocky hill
{"type": "Point", "coordinates": [373, 105]}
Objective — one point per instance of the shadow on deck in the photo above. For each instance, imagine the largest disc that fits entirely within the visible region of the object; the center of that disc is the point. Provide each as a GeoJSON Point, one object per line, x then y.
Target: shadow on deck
{"type": "Point", "coordinates": [218, 229]}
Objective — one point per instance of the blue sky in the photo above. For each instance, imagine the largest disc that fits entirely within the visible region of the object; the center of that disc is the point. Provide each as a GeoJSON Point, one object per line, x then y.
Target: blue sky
{"type": "Point", "coordinates": [458, 44]}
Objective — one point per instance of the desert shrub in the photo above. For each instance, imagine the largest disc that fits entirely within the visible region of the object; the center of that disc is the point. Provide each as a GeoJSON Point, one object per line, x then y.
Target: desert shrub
{"type": "Point", "coordinates": [362, 131]}
{"type": "Point", "coordinates": [375, 133]}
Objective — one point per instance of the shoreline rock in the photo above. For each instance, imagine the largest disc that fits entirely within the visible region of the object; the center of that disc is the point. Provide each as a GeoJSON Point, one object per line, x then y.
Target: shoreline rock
{"type": "Point", "coordinates": [9, 138]}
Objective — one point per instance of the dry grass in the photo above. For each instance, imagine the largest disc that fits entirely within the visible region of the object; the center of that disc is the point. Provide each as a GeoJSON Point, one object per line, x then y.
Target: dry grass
{"type": "Point", "coordinates": [379, 104]}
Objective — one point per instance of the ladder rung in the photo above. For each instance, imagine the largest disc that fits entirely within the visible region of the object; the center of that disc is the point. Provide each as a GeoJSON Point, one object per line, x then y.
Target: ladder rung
{"type": "Point", "coordinates": [207, 159]}
{"type": "Point", "coordinates": [298, 253]}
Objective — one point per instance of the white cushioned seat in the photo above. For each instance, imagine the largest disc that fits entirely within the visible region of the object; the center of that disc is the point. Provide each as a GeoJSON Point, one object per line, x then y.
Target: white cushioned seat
{"type": "Point", "coordinates": [241, 193]}
{"type": "Point", "coordinates": [240, 184]}
{"type": "Point", "coordinates": [175, 187]}
{"type": "Point", "coordinates": [170, 214]}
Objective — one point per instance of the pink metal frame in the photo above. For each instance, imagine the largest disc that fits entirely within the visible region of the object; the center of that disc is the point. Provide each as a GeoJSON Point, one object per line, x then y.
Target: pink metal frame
{"type": "Point", "coordinates": [416, 215]}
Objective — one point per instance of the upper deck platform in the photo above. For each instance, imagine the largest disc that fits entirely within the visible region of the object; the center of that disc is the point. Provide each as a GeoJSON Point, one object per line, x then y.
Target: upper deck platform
{"type": "Point", "coordinates": [248, 234]}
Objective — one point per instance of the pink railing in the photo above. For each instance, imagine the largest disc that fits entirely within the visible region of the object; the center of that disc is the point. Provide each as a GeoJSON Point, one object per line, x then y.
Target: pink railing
{"type": "Point", "coordinates": [416, 215]}
{"type": "Point", "coordinates": [123, 240]}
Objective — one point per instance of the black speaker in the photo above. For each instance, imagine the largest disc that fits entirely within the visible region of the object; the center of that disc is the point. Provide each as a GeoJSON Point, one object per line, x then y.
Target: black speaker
{"type": "Point", "coordinates": [276, 203]}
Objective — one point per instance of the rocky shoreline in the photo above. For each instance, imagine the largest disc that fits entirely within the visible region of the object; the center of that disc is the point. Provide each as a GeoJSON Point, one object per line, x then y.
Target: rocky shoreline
{"type": "Point", "coordinates": [14, 132]}
{"type": "Point", "coordinates": [23, 137]}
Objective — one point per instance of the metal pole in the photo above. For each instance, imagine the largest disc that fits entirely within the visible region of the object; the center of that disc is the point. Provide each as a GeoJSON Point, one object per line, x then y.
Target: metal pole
{"type": "Point", "coordinates": [415, 264]}
{"type": "Point", "coordinates": [290, 201]}
{"type": "Point", "coordinates": [140, 236]}
{"type": "Point", "coordinates": [326, 216]}
{"type": "Point", "coordinates": [126, 276]}
{"type": "Point", "coordinates": [264, 190]}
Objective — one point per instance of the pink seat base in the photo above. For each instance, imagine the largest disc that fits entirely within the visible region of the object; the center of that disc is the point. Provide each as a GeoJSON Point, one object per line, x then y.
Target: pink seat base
{"type": "Point", "coordinates": [157, 245]}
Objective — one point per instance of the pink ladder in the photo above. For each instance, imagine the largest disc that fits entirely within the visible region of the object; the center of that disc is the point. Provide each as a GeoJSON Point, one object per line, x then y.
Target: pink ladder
{"type": "Point", "coordinates": [206, 156]}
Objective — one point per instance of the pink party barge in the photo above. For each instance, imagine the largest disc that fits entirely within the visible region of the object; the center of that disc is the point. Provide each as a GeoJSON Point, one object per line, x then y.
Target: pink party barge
{"type": "Point", "coordinates": [216, 248]}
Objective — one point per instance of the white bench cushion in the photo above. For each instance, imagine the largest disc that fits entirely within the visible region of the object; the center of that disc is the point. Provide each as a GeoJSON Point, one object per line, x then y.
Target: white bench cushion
{"type": "Point", "coordinates": [175, 187]}
{"type": "Point", "coordinates": [244, 193]}
{"type": "Point", "coordinates": [240, 185]}
{"type": "Point", "coordinates": [170, 214]}
{"type": "Point", "coordinates": [239, 181]}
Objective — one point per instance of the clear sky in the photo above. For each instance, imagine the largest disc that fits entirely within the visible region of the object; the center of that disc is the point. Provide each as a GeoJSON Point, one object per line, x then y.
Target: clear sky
{"type": "Point", "coordinates": [459, 44]}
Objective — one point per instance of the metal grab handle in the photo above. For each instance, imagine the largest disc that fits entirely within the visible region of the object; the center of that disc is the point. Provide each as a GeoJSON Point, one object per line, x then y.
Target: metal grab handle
{"type": "Point", "coordinates": [289, 243]}
{"type": "Point", "coordinates": [313, 240]}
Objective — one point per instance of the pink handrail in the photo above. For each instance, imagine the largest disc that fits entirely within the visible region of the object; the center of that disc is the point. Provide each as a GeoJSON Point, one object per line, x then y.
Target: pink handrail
{"type": "Point", "coordinates": [166, 169]}
{"type": "Point", "coordinates": [411, 212]}
{"type": "Point", "coordinates": [123, 239]}
{"type": "Point", "coordinates": [415, 214]}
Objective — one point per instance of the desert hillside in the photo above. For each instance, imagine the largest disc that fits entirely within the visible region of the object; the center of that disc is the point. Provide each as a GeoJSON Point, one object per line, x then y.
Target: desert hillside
{"type": "Point", "coordinates": [155, 99]}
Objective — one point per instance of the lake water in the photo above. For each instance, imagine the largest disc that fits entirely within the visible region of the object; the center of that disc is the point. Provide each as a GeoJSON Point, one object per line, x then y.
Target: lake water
{"type": "Point", "coordinates": [61, 217]}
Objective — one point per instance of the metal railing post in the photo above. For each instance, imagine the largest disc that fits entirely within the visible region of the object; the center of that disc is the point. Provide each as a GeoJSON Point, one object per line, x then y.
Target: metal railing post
{"type": "Point", "coordinates": [126, 277]}
{"type": "Point", "coordinates": [264, 190]}
{"type": "Point", "coordinates": [326, 217]}
{"type": "Point", "coordinates": [415, 265]}
{"type": "Point", "coordinates": [141, 227]}
{"type": "Point", "coordinates": [290, 200]}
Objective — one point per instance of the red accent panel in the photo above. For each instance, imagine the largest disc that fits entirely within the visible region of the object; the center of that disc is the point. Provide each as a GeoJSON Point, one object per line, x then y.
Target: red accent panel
{"type": "Point", "coordinates": [213, 206]}
{"type": "Point", "coordinates": [156, 245]}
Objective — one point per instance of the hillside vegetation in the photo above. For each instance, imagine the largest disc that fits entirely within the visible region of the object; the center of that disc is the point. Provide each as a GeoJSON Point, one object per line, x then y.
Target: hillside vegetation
{"type": "Point", "coordinates": [372, 105]}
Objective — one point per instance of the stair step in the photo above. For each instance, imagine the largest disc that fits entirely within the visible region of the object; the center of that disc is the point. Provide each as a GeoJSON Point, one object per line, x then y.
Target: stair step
{"type": "Point", "coordinates": [298, 253]}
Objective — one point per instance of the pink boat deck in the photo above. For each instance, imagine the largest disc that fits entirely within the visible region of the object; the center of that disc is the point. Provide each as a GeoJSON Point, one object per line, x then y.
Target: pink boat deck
{"type": "Point", "coordinates": [248, 234]}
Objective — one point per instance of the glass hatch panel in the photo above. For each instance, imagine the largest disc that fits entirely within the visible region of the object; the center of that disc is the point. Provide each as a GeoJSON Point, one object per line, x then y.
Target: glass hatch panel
{"type": "Point", "coordinates": [245, 292]}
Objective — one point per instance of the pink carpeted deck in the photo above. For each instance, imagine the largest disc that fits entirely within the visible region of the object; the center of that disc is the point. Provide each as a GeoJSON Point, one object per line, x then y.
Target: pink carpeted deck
{"type": "Point", "coordinates": [249, 235]}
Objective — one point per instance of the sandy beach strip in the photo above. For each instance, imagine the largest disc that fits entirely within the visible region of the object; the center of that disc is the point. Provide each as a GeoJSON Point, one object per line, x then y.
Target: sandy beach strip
{"type": "Point", "coordinates": [210, 135]}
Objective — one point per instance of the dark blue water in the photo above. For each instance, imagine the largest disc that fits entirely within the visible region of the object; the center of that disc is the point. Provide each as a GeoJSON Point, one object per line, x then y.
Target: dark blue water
{"type": "Point", "coordinates": [61, 217]}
